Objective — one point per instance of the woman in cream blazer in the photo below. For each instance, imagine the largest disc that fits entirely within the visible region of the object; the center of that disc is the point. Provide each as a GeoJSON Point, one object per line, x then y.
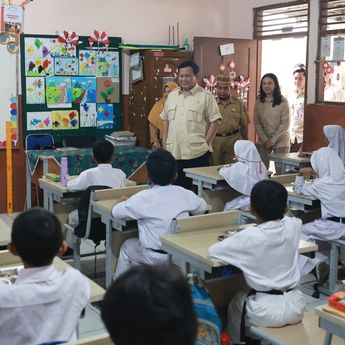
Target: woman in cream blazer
{"type": "Point", "coordinates": [271, 119]}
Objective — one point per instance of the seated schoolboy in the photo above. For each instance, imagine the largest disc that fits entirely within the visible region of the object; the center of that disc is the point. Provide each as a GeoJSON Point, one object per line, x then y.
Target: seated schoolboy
{"type": "Point", "coordinates": [267, 254]}
{"type": "Point", "coordinates": [335, 136]}
{"type": "Point", "coordinates": [154, 208]}
{"type": "Point", "coordinates": [242, 175]}
{"type": "Point", "coordinates": [329, 188]}
{"type": "Point", "coordinates": [150, 305]}
{"type": "Point", "coordinates": [43, 304]}
{"type": "Point", "coordinates": [102, 175]}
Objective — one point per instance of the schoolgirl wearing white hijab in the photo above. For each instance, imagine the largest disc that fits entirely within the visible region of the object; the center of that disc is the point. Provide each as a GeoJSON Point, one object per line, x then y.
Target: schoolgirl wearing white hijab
{"type": "Point", "coordinates": [335, 135]}
{"type": "Point", "coordinates": [243, 175]}
{"type": "Point", "coordinates": [329, 188]}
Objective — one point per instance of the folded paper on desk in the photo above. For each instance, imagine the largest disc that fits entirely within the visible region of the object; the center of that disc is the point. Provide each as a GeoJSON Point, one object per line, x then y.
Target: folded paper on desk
{"type": "Point", "coordinates": [53, 177]}
{"type": "Point", "coordinates": [67, 149]}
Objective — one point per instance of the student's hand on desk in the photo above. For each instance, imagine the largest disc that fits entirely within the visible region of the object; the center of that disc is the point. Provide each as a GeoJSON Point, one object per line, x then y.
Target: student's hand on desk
{"type": "Point", "coordinates": [306, 171]}
{"type": "Point", "coordinates": [120, 199]}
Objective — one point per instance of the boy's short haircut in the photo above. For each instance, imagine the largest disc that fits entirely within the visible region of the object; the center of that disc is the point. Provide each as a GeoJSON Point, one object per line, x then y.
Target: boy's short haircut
{"type": "Point", "coordinates": [190, 64]}
{"type": "Point", "coordinates": [37, 236]}
{"type": "Point", "coordinates": [150, 305]}
{"type": "Point", "coordinates": [103, 151]}
{"type": "Point", "coordinates": [269, 199]}
{"type": "Point", "coordinates": [161, 167]}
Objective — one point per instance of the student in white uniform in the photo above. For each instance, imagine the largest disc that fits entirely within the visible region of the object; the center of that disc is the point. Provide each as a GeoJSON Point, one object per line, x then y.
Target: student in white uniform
{"type": "Point", "coordinates": [102, 175]}
{"type": "Point", "coordinates": [150, 305]}
{"type": "Point", "coordinates": [329, 188]}
{"type": "Point", "coordinates": [267, 254]}
{"type": "Point", "coordinates": [243, 175]}
{"type": "Point", "coordinates": [335, 136]}
{"type": "Point", "coordinates": [43, 304]}
{"type": "Point", "coordinates": [154, 208]}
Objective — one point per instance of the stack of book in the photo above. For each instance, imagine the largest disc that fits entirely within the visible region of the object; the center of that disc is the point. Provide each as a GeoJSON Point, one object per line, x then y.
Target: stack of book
{"type": "Point", "coordinates": [122, 138]}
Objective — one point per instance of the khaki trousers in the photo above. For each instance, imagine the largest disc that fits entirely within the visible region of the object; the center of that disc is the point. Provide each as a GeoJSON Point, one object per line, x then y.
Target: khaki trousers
{"type": "Point", "coordinates": [264, 156]}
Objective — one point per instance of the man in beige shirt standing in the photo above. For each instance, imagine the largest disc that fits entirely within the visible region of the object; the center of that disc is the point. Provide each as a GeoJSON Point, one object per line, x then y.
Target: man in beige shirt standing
{"type": "Point", "coordinates": [190, 121]}
{"type": "Point", "coordinates": [234, 124]}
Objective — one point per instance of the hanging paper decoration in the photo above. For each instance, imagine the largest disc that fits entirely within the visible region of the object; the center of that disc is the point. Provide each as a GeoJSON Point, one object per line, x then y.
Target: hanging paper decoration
{"type": "Point", "coordinates": [222, 67]}
{"type": "Point", "coordinates": [241, 85]}
{"type": "Point", "coordinates": [210, 84]}
{"type": "Point", "coordinates": [70, 38]}
{"type": "Point", "coordinates": [99, 38]}
{"type": "Point", "coordinates": [231, 64]}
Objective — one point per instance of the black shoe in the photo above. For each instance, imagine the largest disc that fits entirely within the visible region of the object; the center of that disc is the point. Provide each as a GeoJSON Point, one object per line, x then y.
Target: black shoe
{"type": "Point", "coordinates": [322, 272]}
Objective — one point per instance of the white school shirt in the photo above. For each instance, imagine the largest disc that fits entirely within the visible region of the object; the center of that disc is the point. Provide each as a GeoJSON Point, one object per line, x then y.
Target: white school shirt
{"type": "Point", "coordinates": [43, 305]}
{"type": "Point", "coordinates": [296, 102]}
{"type": "Point", "coordinates": [102, 175]}
{"type": "Point", "coordinates": [267, 254]}
{"type": "Point", "coordinates": [329, 187]}
{"type": "Point", "coordinates": [155, 208]}
{"type": "Point", "coordinates": [336, 139]}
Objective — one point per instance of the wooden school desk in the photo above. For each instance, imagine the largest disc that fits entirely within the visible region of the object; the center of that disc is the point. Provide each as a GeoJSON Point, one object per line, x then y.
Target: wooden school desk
{"type": "Point", "coordinates": [290, 161]}
{"type": "Point", "coordinates": [306, 332]}
{"type": "Point", "coordinates": [54, 191]}
{"type": "Point", "coordinates": [331, 323]}
{"type": "Point", "coordinates": [190, 247]}
{"type": "Point", "coordinates": [7, 259]}
{"type": "Point", "coordinates": [102, 204]}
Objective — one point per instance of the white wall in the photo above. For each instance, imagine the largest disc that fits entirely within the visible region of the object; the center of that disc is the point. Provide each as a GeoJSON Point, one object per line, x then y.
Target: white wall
{"type": "Point", "coordinates": [241, 26]}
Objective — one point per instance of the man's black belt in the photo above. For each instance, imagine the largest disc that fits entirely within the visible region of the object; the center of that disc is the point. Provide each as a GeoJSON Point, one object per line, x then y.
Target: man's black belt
{"type": "Point", "coordinates": [275, 292]}
{"type": "Point", "coordinates": [337, 219]}
{"type": "Point", "coordinates": [160, 251]}
{"type": "Point", "coordinates": [229, 134]}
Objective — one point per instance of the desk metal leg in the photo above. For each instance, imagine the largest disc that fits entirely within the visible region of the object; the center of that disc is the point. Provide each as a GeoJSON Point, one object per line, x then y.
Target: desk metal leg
{"type": "Point", "coordinates": [47, 197]}
{"type": "Point", "coordinates": [28, 185]}
{"type": "Point", "coordinates": [328, 339]}
{"type": "Point", "coordinates": [333, 268]}
{"type": "Point", "coordinates": [200, 189]}
{"type": "Point", "coordinates": [109, 255]}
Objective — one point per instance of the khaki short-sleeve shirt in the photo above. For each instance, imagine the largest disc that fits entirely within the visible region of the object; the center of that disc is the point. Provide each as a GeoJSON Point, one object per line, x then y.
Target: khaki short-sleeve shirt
{"type": "Point", "coordinates": [189, 115]}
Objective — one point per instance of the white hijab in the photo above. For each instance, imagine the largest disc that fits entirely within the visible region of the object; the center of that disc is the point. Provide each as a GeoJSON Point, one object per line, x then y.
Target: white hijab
{"type": "Point", "coordinates": [249, 169]}
{"type": "Point", "coordinates": [329, 187]}
{"type": "Point", "coordinates": [336, 137]}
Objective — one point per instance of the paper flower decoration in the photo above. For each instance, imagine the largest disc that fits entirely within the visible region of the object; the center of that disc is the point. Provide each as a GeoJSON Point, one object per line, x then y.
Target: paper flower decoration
{"type": "Point", "coordinates": [99, 38]}
{"type": "Point", "coordinates": [69, 38]}
{"type": "Point", "coordinates": [221, 67]}
{"type": "Point", "coordinates": [211, 81]}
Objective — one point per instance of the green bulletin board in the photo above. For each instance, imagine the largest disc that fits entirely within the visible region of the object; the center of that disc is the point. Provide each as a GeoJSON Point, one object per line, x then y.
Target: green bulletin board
{"type": "Point", "coordinates": [70, 90]}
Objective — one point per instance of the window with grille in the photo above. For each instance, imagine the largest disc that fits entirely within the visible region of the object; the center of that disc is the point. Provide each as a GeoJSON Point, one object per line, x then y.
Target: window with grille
{"type": "Point", "coordinates": [331, 57]}
{"type": "Point", "coordinates": [281, 20]}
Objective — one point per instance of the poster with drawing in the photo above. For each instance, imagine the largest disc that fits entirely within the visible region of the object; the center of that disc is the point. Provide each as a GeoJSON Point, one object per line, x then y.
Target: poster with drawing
{"type": "Point", "coordinates": [83, 90]}
{"type": "Point", "coordinates": [65, 119]}
{"type": "Point", "coordinates": [8, 92]}
{"type": "Point", "coordinates": [35, 90]}
{"type": "Point", "coordinates": [87, 62]}
{"type": "Point", "coordinates": [37, 47]}
{"type": "Point", "coordinates": [107, 64]}
{"type": "Point", "coordinates": [107, 90]}
{"type": "Point", "coordinates": [65, 66]}
{"type": "Point", "coordinates": [38, 121]}
{"type": "Point", "coordinates": [58, 92]}
{"type": "Point", "coordinates": [88, 115]}
{"type": "Point", "coordinates": [105, 116]}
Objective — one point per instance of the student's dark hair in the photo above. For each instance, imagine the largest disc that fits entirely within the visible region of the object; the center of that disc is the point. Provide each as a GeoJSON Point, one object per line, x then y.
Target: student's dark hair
{"type": "Point", "coordinates": [161, 167]}
{"type": "Point", "coordinates": [269, 198]}
{"type": "Point", "coordinates": [37, 236]}
{"type": "Point", "coordinates": [300, 67]}
{"type": "Point", "coordinates": [277, 96]}
{"type": "Point", "coordinates": [191, 64]}
{"type": "Point", "coordinates": [150, 305]}
{"type": "Point", "coordinates": [103, 151]}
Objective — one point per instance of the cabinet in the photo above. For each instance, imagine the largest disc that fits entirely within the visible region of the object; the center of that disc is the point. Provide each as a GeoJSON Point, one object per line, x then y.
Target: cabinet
{"type": "Point", "coordinates": [159, 67]}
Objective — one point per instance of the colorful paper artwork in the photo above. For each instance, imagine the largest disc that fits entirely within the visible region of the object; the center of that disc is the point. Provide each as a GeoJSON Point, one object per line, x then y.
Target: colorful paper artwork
{"type": "Point", "coordinates": [65, 66]}
{"type": "Point", "coordinates": [60, 49]}
{"type": "Point", "coordinates": [65, 119]}
{"type": "Point", "coordinates": [87, 62]}
{"type": "Point", "coordinates": [107, 64]}
{"type": "Point", "coordinates": [105, 116]}
{"type": "Point", "coordinates": [88, 115]}
{"type": "Point", "coordinates": [35, 90]}
{"type": "Point", "coordinates": [83, 90]}
{"type": "Point", "coordinates": [37, 47]}
{"type": "Point", "coordinates": [38, 66]}
{"type": "Point", "coordinates": [37, 121]}
{"type": "Point", "coordinates": [107, 90]}
{"type": "Point", "coordinates": [58, 92]}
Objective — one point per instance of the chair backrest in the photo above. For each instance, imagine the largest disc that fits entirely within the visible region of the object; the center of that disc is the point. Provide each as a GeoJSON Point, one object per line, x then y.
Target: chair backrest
{"type": "Point", "coordinates": [39, 141]}
{"type": "Point", "coordinates": [84, 141]}
{"type": "Point", "coordinates": [89, 227]}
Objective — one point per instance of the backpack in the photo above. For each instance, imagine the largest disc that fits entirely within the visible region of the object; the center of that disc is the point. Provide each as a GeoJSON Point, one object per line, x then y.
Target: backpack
{"type": "Point", "coordinates": [209, 324]}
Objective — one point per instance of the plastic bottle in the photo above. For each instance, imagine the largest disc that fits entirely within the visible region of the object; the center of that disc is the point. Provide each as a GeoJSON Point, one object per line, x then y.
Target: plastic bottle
{"type": "Point", "coordinates": [64, 171]}
{"type": "Point", "coordinates": [225, 338]}
{"type": "Point", "coordinates": [186, 44]}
